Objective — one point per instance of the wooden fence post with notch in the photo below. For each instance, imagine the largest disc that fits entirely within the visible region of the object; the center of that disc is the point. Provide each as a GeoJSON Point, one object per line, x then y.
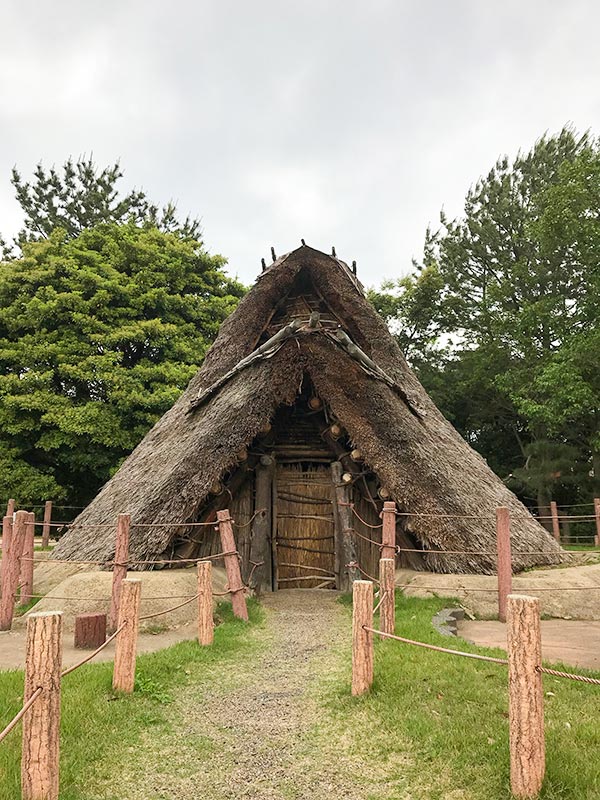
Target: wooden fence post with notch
{"type": "Point", "coordinates": [7, 523]}
{"type": "Point", "coordinates": [526, 696]}
{"type": "Point", "coordinates": [362, 640]}
{"type": "Point", "coordinates": [41, 722]}
{"type": "Point", "coordinates": [11, 568]}
{"type": "Point", "coordinates": [555, 520]}
{"type": "Point", "coordinates": [504, 560]}
{"type": "Point", "coordinates": [126, 641]}
{"type": "Point", "coordinates": [119, 568]}
{"type": "Point", "coordinates": [232, 565]}
{"type": "Point", "coordinates": [597, 514]}
{"type": "Point", "coordinates": [387, 609]}
{"type": "Point", "coordinates": [26, 570]}
{"type": "Point", "coordinates": [388, 530]}
{"type": "Point", "coordinates": [205, 603]}
{"type": "Point", "coordinates": [47, 521]}
{"type": "Point", "coordinates": [10, 507]}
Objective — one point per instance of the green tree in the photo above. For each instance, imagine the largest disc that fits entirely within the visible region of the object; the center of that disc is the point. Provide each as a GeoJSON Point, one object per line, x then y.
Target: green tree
{"type": "Point", "coordinates": [99, 334]}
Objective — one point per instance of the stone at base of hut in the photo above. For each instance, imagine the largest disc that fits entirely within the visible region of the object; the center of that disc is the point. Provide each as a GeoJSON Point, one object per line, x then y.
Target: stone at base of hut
{"type": "Point", "coordinates": [90, 631]}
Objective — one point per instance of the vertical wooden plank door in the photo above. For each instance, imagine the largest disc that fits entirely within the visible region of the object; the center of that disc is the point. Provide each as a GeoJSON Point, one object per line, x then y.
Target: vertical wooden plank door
{"type": "Point", "coordinates": [304, 537]}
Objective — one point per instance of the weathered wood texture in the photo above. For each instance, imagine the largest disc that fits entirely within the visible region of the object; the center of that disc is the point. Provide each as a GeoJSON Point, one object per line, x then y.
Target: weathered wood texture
{"type": "Point", "coordinates": [41, 723]}
{"type": "Point", "coordinates": [26, 568]}
{"type": "Point", "coordinates": [232, 565]}
{"type": "Point", "coordinates": [597, 513]}
{"type": "Point", "coordinates": [11, 569]}
{"type": "Point", "coordinates": [362, 640]}
{"type": "Point", "coordinates": [344, 529]}
{"type": "Point", "coordinates": [526, 696]}
{"type": "Point", "coordinates": [555, 520]}
{"type": "Point", "coordinates": [7, 523]}
{"type": "Point", "coordinates": [10, 508]}
{"type": "Point", "coordinates": [205, 603]}
{"type": "Point", "coordinates": [504, 560]}
{"type": "Point", "coordinates": [126, 642]}
{"type": "Point", "coordinates": [388, 531]}
{"type": "Point", "coordinates": [47, 521]}
{"type": "Point", "coordinates": [260, 549]}
{"type": "Point", "coordinates": [387, 609]}
{"type": "Point", "coordinates": [120, 568]}
{"type": "Point", "coordinates": [90, 631]}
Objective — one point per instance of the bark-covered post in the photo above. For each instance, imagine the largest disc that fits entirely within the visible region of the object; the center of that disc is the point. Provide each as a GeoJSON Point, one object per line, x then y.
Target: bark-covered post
{"type": "Point", "coordinates": [205, 603]}
{"type": "Point", "coordinates": [26, 571]}
{"type": "Point", "coordinates": [90, 631]}
{"type": "Point", "coordinates": [387, 609]}
{"type": "Point", "coordinates": [597, 514]}
{"type": "Point", "coordinates": [232, 565]}
{"type": "Point", "coordinates": [555, 521]}
{"type": "Point", "coordinates": [526, 696]}
{"type": "Point", "coordinates": [344, 545]}
{"type": "Point", "coordinates": [10, 571]}
{"type": "Point", "coordinates": [119, 568]}
{"type": "Point", "coordinates": [41, 723]}
{"type": "Point", "coordinates": [10, 507]}
{"type": "Point", "coordinates": [47, 521]}
{"type": "Point", "coordinates": [362, 640]}
{"type": "Point", "coordinates": [260, 548]}
{"type": "Point", "coordinates": [504, 560]}
{"type": "Point", "coordinates": [7, 523]}
{"type": "Point", "coordinates": [126, 642]}
{"type": "Point", "coordinates": [388, 530]}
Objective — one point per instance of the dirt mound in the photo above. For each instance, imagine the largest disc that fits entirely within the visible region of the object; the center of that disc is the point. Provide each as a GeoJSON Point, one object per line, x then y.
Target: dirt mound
{"type": "Point", "coordinates": [74, 591]}
{"type": "Point", "coordinates": [566, 593]}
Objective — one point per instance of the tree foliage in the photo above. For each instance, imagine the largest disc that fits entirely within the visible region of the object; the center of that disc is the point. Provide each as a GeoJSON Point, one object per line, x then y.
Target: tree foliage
{"type": "Point", "coordinates": [99, 333]}
{"type": "Point", "coordinates": [501, 317]}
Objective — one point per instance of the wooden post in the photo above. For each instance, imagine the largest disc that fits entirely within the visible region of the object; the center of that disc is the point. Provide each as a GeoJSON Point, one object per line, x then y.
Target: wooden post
{"type": "Point", "coordinates": [41, 723]}
{"type": "Point", "coordinates": [260, 549]}
{"type": "Point", "coordinates": [362, 640]}
{"type": "Point", "coordinates": [205, 603]}
{"type": "Point", "coordinates": [388, 531]}
{"type": "Point", "coordinates": [126, 641]}
{"type": "Point", "coordinates": [90, 631]}
{"type": "Point", "coordinates": [120, 568]}
{"type": "Point", "coordinates": [26, 570]}
{"type": "Point", "coordinates": [47, 521]}
{"type": "Point", "coordinates": [555, 522]}
{"type": "Point", "coordinates": [344, 545]}
{"type": "Point", "coordinates": [10, 508]}
{"type": "Point", "coordinates": [526, 696]}
{"type": "Point", "coordinates": [7, 523]}
{"type": "Point", "coordinates": [504, 560]}
{"type": "Point", "coordinates": [10, 570]}
{"type": "Point", "coordinates": [597, 513]}
{"type": "Point", "coordinates": [387, 609]}
{"type": "Point", "coordinates": [232, 565]}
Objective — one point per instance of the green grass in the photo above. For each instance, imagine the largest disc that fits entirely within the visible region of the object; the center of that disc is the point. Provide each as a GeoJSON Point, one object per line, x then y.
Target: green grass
{"type": "Point", "coordinates": [439, 723]}
{"type": "Point", "coordinates": [584, 548]}
{"type": "Point", "coordinates": [97, 725]}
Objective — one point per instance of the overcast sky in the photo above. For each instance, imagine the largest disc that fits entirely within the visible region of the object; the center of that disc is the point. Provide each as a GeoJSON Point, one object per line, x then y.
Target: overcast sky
{"type": "Point", "coordinates": [344, 123]}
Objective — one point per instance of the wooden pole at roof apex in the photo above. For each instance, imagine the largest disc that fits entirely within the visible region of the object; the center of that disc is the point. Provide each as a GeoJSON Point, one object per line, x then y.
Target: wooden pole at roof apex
{"type": "Point", "coordinates": [263, 264]}
{"type": "Point", "coordinates": [333, 252]}
{"type": "Point", "coordinates": [354, 267]}
{"type": "Point", "coordinates": [273, 254]}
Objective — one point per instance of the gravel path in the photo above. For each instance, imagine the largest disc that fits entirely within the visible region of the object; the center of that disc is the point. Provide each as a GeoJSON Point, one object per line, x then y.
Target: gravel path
{"type": "Point", "coordinates": [257, 730]}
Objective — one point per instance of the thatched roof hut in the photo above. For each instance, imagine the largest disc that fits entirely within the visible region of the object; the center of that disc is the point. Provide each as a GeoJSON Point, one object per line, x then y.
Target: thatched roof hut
{"type": "Point", "coordinates": [305, 398]}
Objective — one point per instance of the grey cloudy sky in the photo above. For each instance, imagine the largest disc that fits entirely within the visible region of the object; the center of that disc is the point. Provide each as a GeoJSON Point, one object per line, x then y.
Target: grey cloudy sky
{"type": "Point", "coordinates": [346, 123]}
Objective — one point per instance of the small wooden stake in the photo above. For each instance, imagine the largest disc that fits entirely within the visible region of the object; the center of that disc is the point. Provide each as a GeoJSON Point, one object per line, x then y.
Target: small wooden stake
{"type": "Point", "coordinates": [526, 696]}
{"type": "Point", "coordinates": [387, 609]}
{"type": "Point", "coordinates": [41, 723]}
{"type": "Point", "coordinates": [597, 512]}
{"type": "Point", "coordinates": [388, 531]}
{"type": "Point", "coordinates": [26, 570]}
{"type": "Point", "coordinates": [120, 567]}
{"type": "Point", "coordinates": [10, 570]}
{"type": "Point", "coordinates": [232, 565]}
{"type": "Point", "coordinates": [555, 521]}
{"type": "Point", "coordinates": [126, 641]}
{"type": "Point", "coordinates": [90, 631]}
{"type": "Point", "coordinates": [504, 560]}
{"type": "Point", "coordinates": [10, 508]}
{"type": "Point", "coordinates": [205, 603]}
{"type": "Point", "coordinates": [47, 521]}
{"type": "Point", "coordinates": [362, 640]}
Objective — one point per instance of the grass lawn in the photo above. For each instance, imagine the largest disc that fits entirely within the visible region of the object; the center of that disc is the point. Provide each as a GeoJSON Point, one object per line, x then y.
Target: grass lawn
{"type": "Point", "coordinates": [439, 723]}
{"type": "Point", "coordinates": [96, 724]}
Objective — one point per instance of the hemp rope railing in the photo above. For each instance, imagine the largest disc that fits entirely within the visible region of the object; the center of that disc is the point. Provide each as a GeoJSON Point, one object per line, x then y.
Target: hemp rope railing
{"type": "Point", "coordinates": [95, 653]}
{"type": "Point", "coordinates": [250, 521]}
{"type": "Point", "coordinates": [20, 714]}
{"type": "Point", "coordinates": [168, 610]}
{"type": "Point", "coordinates": [381, 599]}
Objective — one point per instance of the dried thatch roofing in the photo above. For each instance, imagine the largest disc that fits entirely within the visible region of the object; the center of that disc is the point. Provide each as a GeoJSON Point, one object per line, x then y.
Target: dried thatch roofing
{"type": "Point", "coordinates": [421, 459]}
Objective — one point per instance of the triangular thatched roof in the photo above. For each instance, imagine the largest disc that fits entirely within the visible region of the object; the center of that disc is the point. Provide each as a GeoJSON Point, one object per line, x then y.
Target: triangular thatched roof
{"type": "Point", "coordinates": [424, 463]}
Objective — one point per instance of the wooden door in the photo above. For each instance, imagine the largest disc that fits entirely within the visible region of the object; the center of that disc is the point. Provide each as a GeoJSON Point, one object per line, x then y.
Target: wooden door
{"type": "Point", "coordinates": [304, 553]}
